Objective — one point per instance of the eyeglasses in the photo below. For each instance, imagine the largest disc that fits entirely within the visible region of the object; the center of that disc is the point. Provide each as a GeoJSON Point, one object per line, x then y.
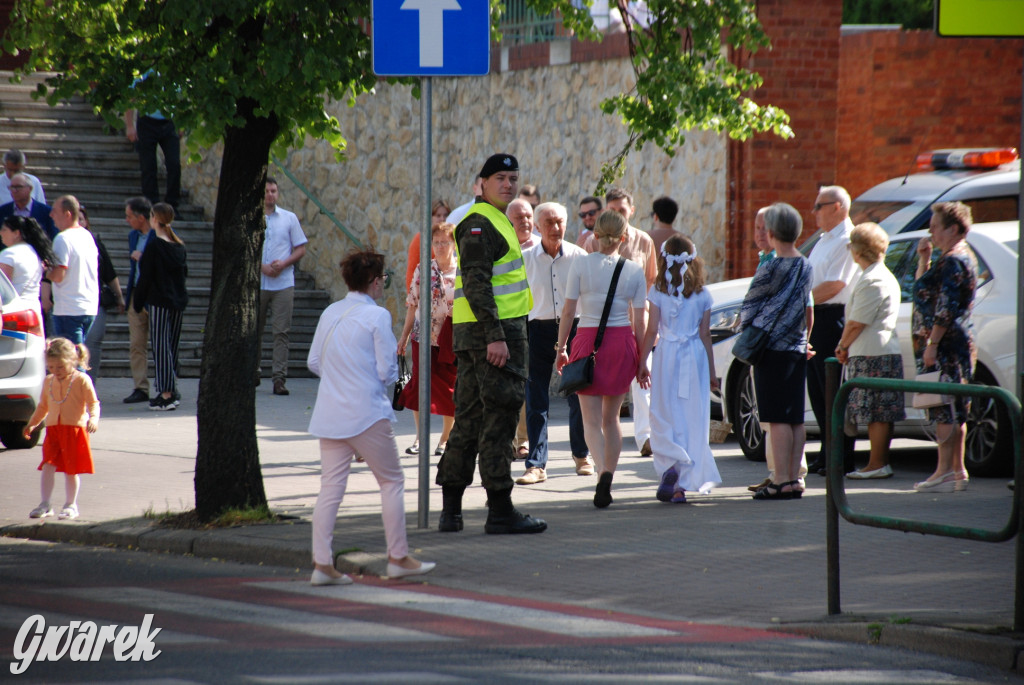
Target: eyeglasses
{"type": "Point", "coordinates": [589, 213]}
{"type": "Point", "coordinates": [18, 187]}
{"type": "Point", "coordinates": [386, 277]}
{"type": "Point", "coordinates": [819, 205]}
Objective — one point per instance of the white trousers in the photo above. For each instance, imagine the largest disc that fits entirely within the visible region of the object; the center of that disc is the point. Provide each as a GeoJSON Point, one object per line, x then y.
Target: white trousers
{"type": "Point", "coordinates": [378, 447]}
{"type": "Point", "coordinates": [641, 411]}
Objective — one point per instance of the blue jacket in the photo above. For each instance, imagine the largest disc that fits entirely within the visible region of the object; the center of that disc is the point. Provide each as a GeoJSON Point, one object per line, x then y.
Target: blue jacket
{"type": "Point", "coordinates": [133, 268]}
{"type": "Point", "coordinates": [40, 212]}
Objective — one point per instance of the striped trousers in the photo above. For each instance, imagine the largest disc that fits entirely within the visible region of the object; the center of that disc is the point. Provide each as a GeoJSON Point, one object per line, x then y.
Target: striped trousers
{"type": "Point", "coordinates": [164, 333]}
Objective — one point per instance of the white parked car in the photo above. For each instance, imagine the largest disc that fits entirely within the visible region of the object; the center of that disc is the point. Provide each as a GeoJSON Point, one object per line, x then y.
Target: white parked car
{"type": "Point", "coordinates": [22, 366]}
{"type": "Point", "coordinates": [902, 207]}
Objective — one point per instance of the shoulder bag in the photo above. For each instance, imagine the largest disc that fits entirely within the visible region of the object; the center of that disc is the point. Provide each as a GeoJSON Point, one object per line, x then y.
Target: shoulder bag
{"type": "Point", "coordinates": [927, 400]}
{"type": "Point", "coordinates": [753, 341]}
{"type": "Point", "coordinates": [579, 375]}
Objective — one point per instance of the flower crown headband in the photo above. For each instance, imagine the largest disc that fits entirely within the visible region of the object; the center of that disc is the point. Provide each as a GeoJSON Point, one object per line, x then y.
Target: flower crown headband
{"type": "Point", "coordinates": [684, 258]}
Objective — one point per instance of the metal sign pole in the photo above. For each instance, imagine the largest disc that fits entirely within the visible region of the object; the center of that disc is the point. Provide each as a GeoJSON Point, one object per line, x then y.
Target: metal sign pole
{"type": "Point", "coordinates": [423, 429]}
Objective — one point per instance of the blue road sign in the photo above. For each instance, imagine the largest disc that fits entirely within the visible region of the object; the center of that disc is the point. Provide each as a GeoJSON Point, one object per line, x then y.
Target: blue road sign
{"type": "Point", "coordinates": [431, 37]}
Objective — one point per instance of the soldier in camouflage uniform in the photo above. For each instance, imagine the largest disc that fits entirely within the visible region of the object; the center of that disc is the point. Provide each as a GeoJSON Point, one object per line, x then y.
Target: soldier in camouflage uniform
{"type": "Point", "coordinates": [492, 301]}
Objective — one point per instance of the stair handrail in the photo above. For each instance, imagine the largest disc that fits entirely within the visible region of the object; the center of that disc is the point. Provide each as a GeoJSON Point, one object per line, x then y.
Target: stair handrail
{"type": "Point", "coordinates": [316, 201]}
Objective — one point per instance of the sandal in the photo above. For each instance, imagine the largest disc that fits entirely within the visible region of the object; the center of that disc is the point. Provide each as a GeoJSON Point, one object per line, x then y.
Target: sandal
{"type": "Point", "coordinates": [773, 491]}
{"type": "Point", "coordinates": [794, 484]}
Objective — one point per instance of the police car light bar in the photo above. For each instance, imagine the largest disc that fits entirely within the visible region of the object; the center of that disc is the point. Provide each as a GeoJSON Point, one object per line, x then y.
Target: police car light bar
{"type": "Point", "coordinates": [966, 158]}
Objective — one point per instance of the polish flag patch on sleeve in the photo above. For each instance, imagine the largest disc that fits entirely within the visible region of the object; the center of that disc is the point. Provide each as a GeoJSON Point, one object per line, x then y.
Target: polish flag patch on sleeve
{"type": "Point", "coordinates": [476, 231]}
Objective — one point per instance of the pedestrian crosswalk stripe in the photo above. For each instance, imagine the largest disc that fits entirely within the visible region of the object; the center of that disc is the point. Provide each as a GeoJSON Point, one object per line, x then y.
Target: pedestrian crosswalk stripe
{"type": "Point", "coordinates": [565, 625]}
{"type": "Point", "coordinates": [302, 622]}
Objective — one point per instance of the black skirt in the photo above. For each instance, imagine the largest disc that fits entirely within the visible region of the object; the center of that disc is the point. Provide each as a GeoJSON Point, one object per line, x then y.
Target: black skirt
{"type": "Point", "coordinates": [779, 382]}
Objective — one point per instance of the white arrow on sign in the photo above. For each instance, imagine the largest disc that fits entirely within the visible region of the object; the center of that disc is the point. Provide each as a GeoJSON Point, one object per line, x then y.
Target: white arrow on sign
{"type": "Point", "coordinates": [431, 28]}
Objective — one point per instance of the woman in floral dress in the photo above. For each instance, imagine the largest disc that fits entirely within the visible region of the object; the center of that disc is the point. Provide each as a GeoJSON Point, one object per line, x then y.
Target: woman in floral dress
{"type": "Point", "coordinates": [943, 336]}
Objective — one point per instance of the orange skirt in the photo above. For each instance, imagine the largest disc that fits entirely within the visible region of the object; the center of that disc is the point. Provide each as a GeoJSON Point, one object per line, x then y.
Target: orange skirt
{"type": "Point", "coordinates": [67, 448]}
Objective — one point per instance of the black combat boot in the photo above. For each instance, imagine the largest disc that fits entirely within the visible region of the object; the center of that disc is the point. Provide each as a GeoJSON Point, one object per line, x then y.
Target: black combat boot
{"type": "Point", "coordinates": [504, 519]}
{"type": "Point", "coordinates": [451, 509]}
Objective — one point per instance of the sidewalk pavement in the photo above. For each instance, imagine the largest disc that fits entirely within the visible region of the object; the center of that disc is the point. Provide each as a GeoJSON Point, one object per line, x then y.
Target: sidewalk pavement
{"type": "Point", "coordinates": [722, 558]}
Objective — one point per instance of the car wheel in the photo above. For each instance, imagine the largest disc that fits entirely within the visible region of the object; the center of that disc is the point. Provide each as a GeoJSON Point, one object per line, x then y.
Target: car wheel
{"type": "Point", "coordinates": [746, 424]}
{"type": "Point", "coordinates": [989, 447]}
{"type": "Point", "coordinates": [13, 439]}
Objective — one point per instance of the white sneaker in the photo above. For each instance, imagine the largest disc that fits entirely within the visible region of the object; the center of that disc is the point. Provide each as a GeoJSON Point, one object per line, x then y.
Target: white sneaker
{"type": "Point", "coordinates": [41, 512]}
{"type": "Point", "coordinates": [68, 512]}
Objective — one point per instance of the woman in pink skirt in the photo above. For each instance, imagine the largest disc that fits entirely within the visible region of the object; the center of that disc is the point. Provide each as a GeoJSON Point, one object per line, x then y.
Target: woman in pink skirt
{"type": "Point", "coordinates": [617, 360]}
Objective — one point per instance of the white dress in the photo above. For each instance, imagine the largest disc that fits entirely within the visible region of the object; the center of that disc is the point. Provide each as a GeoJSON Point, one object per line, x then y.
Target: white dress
{"type": "Point", "coordinates": [681, 393]}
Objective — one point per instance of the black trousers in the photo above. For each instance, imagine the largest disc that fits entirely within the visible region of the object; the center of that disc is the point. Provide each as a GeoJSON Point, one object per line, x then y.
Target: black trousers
{"type": "Point", "coordinates": [153, 132]}
{"type": "Point", "coordinates": [829, 320]}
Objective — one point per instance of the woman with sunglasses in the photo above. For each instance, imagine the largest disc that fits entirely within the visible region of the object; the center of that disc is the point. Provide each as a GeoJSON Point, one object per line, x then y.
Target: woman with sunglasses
{"type": "Point", "coordinates": [353, 353]}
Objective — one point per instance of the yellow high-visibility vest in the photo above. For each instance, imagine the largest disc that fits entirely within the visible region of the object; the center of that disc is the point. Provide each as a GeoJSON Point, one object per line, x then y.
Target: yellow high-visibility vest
{"type": "Point", "coordinates": [508, 277]}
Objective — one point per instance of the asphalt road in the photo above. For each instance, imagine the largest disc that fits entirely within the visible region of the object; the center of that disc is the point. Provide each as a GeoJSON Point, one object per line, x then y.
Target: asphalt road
{"type": "Point", "coordinates": [230, 623]}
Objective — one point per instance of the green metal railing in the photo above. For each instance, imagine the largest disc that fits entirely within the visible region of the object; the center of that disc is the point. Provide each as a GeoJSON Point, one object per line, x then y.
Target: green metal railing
{"type": "Point", "coordinates": [323, 210]}
{"type": "Point", "coordinates": [837, 503]}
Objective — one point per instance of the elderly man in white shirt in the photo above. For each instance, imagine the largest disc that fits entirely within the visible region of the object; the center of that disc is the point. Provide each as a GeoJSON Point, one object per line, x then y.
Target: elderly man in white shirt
{"type": "Point", "coordinates": [835, 273]}
{"type": "Point", "coordinates": [14, 163]}
{"type": "Point", "coordinates": [547, 266]}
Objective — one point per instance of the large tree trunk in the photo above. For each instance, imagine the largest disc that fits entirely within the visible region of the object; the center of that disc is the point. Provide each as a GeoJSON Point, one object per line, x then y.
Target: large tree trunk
{"type": "Point", "coordinates": [227, 463]}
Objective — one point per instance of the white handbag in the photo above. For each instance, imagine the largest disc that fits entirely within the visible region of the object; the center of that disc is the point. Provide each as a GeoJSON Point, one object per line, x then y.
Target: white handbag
{"type": "Point", "coordinates": [926, 400]}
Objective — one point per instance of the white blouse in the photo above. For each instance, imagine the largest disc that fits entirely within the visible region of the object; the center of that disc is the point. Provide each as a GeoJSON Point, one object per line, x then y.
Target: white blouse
{"type": "Point", "coordinates": [589, 278]}
{"type": "Point", "coordinates": [354, 354]}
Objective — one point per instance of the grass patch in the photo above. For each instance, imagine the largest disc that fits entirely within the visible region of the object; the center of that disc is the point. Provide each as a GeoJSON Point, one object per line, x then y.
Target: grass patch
{"type": "Point", "coordinates": [227, 519]}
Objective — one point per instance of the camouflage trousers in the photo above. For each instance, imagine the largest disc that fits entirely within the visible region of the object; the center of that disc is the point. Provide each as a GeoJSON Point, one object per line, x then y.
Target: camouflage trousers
{"type": "Point", "coordinates": [487, 404]}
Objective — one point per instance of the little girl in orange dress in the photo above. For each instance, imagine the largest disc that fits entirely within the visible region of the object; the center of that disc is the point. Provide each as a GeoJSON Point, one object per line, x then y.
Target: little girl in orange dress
{"type": "Point", "coordinates": [72, 410]}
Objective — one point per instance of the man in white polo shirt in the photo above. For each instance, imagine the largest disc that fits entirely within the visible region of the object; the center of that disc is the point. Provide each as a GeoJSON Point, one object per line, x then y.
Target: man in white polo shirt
{"type": "Point", "coordinates": [835, 273]}
{"type": "Point", "coordinates": [547, 267]}
{"type": "Point", "coordinates": [75, 276]}
{"type": "Point", "coordinates": [283, 246]}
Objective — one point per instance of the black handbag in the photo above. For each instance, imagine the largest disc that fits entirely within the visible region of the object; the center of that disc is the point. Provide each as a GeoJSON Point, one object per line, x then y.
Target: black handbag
{"type": "Point", "coordinates": [403, 379]}
{"type": "Point", "coordinates": [579, 375]}
{"type": "Point", "coordinates": [752, 342]}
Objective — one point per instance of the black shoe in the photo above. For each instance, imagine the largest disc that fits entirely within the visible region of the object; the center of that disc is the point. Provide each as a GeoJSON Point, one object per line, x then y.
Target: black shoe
{"type": "Point", "coordinates": [161, 403]}
{"type": "Point", "coordinates": [279, 388]}
{"type": "Point", "coordinates": [449, 523]}
{"type": "Point", "coordinates": [603, 494]}
{"type": "Point", "coordinates": [176, 396]}
{"type": "Point", "coordinates": [815, 465]}
{"type": "Point", "coordinates": [513, 523]}
{"type": "Point", "coordinates": [137, 396]}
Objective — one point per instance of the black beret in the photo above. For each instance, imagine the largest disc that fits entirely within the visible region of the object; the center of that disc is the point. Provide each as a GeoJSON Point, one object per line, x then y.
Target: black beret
{"type": "Point", "coordinates": [499, 162]}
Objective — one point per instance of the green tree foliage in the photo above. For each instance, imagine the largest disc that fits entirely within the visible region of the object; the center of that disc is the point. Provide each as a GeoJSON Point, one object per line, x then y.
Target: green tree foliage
{"type": "Point", "coordinates": [910, 14]}
{"type": "Point", "coordinates": [256, 74]}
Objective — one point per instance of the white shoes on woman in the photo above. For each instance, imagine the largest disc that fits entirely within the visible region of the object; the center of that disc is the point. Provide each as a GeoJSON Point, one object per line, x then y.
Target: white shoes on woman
{"type": "Point", "coordinates": [395, 571]}
{"type": "Point", "coordinates": [884, 472]}
{"type": "Point", "coordinates": [320, 578]}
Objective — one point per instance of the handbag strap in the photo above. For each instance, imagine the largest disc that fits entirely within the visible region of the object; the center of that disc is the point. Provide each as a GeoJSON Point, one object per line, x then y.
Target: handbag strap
{"type": "Point", "coordinates": [608, 303]}
{"type": "Point", "coordinates": [327, 338]}
{"type": "Point", "coordinates": [792, 290]}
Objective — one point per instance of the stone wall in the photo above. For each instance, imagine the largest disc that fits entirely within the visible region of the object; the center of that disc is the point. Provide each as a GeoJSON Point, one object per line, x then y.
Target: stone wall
{"type": "Point", "coordinates": [548, 117]}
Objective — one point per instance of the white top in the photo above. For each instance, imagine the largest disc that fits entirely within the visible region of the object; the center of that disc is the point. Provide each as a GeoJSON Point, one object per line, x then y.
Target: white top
{"type": "Point", "coordinates": [79, 293]}
{"type": "Point", "coordinates": [459, 213]}
{"type": "Point", "coordinates": [5, 188]}
{"type": "Point", "coordinates": [355, 361]}
{"type": "Point", "coordinates": [28, 269]}
{"type": "Point", "coordinates": [876, 302]}
{"type": "Point", "coordinates": [283, 235]}
{"type": "Point", "coordinates": [548, 276]}
{"type": "Point", "coordinates": [588, 281]}
{"type": "Point", "coordinates": [833, 262]}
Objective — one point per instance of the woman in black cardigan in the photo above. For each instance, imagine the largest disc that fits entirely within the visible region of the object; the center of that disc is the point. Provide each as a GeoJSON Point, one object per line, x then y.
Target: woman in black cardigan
{"type": "Point", "coordinates": [161, 289]}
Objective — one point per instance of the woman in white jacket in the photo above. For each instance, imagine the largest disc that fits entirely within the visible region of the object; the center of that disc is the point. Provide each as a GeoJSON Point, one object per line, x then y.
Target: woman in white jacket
{"type": "Point", "coordinates": [353, 353]}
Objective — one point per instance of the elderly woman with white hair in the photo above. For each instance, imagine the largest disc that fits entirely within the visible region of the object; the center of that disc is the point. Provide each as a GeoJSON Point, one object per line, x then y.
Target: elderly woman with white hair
{"type": "Point", "coordinates": [779, 302]}
{"type": "Point", "coordinates": [870, 349]}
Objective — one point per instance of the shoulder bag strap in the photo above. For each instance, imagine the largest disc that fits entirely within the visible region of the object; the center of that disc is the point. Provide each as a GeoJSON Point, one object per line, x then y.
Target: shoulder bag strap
{"type": "Point", "coordinates": [608, 303]}
{"type": "Point", "coordinates": [327, 338]}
